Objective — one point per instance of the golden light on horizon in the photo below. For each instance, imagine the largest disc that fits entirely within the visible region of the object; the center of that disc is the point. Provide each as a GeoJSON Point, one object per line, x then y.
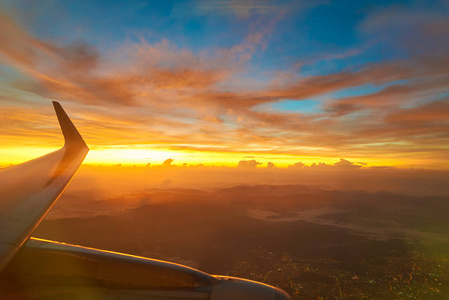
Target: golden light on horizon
{"type": "Point", "coordinates": [143, 155]}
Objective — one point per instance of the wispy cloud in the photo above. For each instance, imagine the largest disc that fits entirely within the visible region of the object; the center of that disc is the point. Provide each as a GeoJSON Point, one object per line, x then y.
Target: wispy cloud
{"type": "Point", "coordinates": [163, 94]}
{"type": "Point", "coordinates": [247, 8]}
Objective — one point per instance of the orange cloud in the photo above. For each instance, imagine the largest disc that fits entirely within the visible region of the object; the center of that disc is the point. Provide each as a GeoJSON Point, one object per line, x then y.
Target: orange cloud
{"type": "Point", "coordinates": [168, 162]}
{"type": "Point", "coordinates": [343, 164]}
{"type": "Point", "coordinates": [433, 113]}
{"type": "Point", "coordinates": [346, 164]}
{"type": "Point", "coordinates": [298, 165]}
{"type": "Point", "coordinates": [167, 97]}
{"type": "Point", "coordinates": [248, 163]}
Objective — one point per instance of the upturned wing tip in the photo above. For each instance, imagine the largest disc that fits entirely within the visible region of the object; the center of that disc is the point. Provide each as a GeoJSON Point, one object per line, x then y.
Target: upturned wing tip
{"type": "Point", "coordinates": [71, 135]}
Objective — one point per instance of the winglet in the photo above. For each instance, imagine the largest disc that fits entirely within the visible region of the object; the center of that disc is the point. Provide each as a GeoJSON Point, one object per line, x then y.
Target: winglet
{"type": "Point", "coordinates": [71, 135]}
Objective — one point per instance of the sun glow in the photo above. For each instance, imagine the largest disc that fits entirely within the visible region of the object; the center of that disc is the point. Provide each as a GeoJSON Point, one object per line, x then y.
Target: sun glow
{"type": "Point", "coordinates": [130, 156]}
{"type": "Point", "coordinates": [17, 155]}
{"type": "Point", "coordinates": [144, 155]}
{"type": "Point", "coordinates": [189, 157]}
{"type": "Point", "coordinates": [155, 155]}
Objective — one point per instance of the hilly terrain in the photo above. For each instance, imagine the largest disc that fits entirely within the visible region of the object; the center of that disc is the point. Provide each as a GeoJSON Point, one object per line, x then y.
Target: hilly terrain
{"type": "Point", "coordinates": [314, 243]}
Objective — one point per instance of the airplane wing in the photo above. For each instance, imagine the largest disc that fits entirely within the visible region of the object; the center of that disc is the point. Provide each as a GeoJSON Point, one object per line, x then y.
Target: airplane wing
{"type": "Point", "coordinates": [29, 190]}
{"type": "Point", "coordinates": [40, 269]}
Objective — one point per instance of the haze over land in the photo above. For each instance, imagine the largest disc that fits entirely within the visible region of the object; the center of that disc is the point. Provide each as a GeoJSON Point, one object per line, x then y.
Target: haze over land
{"type": "Point", "coordinates": [370, 233]}
{"type": "Point", "coordinates": [123, 179]}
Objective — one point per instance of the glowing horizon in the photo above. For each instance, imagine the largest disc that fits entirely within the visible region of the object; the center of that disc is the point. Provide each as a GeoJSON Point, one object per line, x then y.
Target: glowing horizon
{"type": "Point", "coordinates": [142, 157]}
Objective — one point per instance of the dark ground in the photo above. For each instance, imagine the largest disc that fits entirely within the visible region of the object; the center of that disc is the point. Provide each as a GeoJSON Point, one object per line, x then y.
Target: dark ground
{"type": "Point", "coordinates": [315, 244]}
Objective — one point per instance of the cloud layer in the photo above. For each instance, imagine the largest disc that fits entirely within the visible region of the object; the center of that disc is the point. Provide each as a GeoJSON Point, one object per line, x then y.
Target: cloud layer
{"type": "Point", "coordinates": [162, 94]}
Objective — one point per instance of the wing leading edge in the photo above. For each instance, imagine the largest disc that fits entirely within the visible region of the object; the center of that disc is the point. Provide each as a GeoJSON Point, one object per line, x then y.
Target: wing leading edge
{"type": "Point", "coordinates": [29, 190]}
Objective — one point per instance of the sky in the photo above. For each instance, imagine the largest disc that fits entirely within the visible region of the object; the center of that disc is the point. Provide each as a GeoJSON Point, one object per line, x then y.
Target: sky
{"type": "Point", "coordinates": [255, 83]}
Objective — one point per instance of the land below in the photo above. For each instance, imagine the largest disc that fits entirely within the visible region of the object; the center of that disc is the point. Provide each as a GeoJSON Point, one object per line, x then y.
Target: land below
{"type": "Point", "coordinates": [314, 243]}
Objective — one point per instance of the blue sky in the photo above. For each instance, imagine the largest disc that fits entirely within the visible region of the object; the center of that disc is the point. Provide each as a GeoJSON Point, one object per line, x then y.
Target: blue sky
{"type": "Point", "coordinates": [252, 69]}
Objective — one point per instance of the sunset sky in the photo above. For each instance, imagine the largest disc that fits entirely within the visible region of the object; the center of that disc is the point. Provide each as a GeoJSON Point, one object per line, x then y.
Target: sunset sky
{"type": "Point", "coordinates": [221, 82]}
